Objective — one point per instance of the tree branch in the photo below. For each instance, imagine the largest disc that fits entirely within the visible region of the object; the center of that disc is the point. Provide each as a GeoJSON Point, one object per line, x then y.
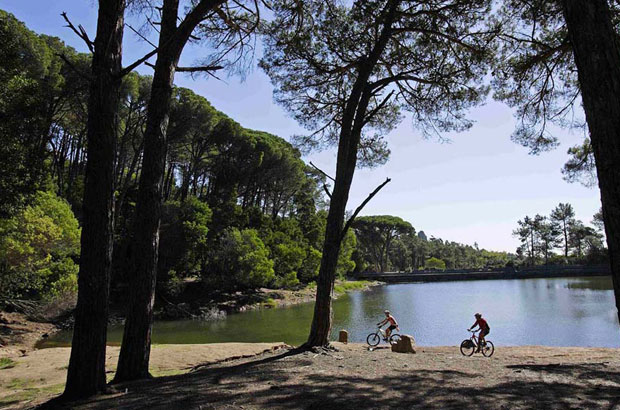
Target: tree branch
{"type": "Point", "coordinates": [207, 68]}
{"type": "Point", "coordinates": [81, 33]}
{"type": "Point", "coordinates": [378, 107]}
{"type": "Point", "coordinates": [140, 35]}
{"type": "Point", "coordinates": [359, 208]}
{"type": "Point", "coordinates": [130, 67]}
{"type": "Point", "coordinates": [321, 171]}
{"type": "Point", "coordinates": [329, 194]}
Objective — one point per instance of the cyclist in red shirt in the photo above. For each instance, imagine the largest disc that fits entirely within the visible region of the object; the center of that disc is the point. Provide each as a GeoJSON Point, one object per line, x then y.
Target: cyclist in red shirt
{"type": "Point", "coordinates": [393, 324]}
{"type": "Point", "coordinates": [483, 327]}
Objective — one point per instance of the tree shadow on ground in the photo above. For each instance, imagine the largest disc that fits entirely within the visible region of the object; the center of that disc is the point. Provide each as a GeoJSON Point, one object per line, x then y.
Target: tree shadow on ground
{"type": "Point", "coordinates": [295, 380]}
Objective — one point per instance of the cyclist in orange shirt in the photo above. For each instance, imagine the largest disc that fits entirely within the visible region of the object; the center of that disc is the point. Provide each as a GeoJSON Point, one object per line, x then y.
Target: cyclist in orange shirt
{"type": "Point", "coordinates": [393, 324]}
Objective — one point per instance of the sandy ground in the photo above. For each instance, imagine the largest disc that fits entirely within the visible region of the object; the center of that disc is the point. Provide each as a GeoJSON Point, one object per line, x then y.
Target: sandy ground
{"type": "Point", "coordinates": [352, 377]}
{"type": "Point", "coordinates": [41, 373]}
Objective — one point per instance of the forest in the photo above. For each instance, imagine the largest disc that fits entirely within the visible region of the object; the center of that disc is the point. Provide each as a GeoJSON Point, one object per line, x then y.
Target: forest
{"type": "Point", "coordinates": [112, 181]}
{"type": "Point", "coordinates": [241, 209]}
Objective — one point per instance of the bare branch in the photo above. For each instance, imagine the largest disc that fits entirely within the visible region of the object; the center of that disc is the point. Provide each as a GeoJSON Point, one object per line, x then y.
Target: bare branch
{"type": "Point", "coordinates": [140, 35]}
{"type": "Point", "coordinates": [130, 67]}
{"type": "Point", "coordinates": [329, 194]}
{"type": "Point", "coordinates": [81, 33]}
{"type": "Point", "coordinates": [321, 171]}
{"type": "Point", "coordinates": [359, 208]}
{"type": "Point", "coordinates": [207, 68]}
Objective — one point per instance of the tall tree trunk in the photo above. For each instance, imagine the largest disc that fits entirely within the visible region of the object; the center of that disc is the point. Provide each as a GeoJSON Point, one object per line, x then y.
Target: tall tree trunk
{"type": "Point", "coordinates": [597, 56]}
{"type": "Point", "coordinates": [565, 241]}
{"type": "Point", "coordinates": [86, 373]}
{"type": "Point", "coordinates": [133, 362]}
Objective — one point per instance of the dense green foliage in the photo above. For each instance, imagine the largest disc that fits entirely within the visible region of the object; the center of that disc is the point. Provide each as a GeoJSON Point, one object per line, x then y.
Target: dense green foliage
{"type": "Point", "coordinates": [241, 209]}
{"type": "Point", "coordinates": [31, 84]}
{"type": "Point", "coordinates": [38, 249]}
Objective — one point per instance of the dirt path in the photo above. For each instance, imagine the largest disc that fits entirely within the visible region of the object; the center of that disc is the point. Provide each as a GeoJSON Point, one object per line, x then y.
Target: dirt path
{"type": "Point", "coordinates": [355, 378]}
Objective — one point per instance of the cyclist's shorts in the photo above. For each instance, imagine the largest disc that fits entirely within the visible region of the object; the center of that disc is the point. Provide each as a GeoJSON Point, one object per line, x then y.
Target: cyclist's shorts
{"type": "Point", "coordinates": [392, 327]}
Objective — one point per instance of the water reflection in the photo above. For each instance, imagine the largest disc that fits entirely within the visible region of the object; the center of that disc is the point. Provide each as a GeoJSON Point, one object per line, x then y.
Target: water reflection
{"type": "Point", "coordinates": [553, 312]}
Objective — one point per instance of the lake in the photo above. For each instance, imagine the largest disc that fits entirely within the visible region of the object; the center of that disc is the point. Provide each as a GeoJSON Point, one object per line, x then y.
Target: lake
{"type": "Point", "coordinates": [551, 312]}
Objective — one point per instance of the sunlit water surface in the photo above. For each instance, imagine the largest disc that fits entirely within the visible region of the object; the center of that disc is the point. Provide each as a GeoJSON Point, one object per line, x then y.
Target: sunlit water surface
{"type": "Point", "coordinates": [552, 312]}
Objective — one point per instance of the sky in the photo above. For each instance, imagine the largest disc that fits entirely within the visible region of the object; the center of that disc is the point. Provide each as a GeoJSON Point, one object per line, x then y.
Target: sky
{"type": "Point", "coordinates": [473, 189]}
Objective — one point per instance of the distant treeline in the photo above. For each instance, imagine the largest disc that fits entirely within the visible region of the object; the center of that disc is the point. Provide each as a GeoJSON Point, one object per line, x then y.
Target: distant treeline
{"type": "Point", "coordinates": [389, 243]}
{"type": "Point", "coordinates": [560, 238]}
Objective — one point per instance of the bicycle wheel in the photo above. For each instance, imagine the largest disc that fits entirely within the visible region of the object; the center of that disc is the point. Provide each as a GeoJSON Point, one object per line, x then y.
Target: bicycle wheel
{"type": "Point", "coordinates": [488, 349]}
{"type": "Point", "coordinates": [394, 338]}
{"type": "Point", "coordinates": [373, 339]}
{"type": "Point", "coordinates": [467, 347]}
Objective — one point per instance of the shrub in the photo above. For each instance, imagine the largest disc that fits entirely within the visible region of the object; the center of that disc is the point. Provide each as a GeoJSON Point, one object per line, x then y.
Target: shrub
{"type": "Point", "coordinates": [435, 263]}
{"type": "Point", "coordinates": [239, 259]}
{"type": "Point", "coordinates": [37, 249]}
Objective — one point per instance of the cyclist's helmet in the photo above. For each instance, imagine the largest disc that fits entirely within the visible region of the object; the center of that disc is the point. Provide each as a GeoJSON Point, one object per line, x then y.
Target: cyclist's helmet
{"type": "Point", "coordinates": [387, 312]}
{"type": "Point", "coordinates": [478, 315]}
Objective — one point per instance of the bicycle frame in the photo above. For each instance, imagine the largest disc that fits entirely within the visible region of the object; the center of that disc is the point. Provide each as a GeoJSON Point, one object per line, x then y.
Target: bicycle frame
{"type": "Point", "coordinates": [474, 338]}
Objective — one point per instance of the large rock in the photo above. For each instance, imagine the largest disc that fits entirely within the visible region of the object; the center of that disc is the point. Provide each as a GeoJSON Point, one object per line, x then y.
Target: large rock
{"type": "Point", "coordinates": [406, 344]}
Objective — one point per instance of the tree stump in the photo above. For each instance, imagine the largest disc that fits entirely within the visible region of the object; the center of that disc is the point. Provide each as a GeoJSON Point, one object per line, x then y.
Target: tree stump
{"type": "Point", "coordinates": [343, 336]}
{"type": "Point", "coordinates": [406, 344]}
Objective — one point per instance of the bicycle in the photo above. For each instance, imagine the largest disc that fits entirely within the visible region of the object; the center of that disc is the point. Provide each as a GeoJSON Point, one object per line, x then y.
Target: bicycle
{"type": "Point", "coordinates": [469, 346]}
{"type": "Point", "coordinates": [374, 339]}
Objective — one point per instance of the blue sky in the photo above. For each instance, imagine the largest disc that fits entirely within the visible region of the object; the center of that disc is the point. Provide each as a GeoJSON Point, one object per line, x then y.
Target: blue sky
{"type": "Point", "coordinates": [473, 189]}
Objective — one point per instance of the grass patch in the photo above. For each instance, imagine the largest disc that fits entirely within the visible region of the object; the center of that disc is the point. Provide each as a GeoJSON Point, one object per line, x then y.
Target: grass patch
{"type": "Point", "coordinates": [29, 393]}
{"type": "Point", "coordinates": [269, 303]}
{"type": "Point", "coordinates": [7, 363]}
{"type": "Point", "coordinates": [344, 287]}
{"type": "Point", "coordinates": [20, 384]}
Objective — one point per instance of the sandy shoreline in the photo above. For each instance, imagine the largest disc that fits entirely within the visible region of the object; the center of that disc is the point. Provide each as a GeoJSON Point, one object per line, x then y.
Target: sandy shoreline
{"type": "Point", "coordinates": [269, 375]}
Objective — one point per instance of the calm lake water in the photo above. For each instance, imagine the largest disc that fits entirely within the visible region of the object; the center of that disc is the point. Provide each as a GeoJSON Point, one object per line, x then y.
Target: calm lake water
{"type": "Point", "coordinates": [551, 312]}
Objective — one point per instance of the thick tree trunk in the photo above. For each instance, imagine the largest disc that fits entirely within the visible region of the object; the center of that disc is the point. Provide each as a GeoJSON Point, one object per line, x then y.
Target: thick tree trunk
{"type": "Point", "coordinates": [597, 56]}
{"type": "Point", "coordinates": [86, 373]}
{"type": "Point", "coordinates": [133, 362]}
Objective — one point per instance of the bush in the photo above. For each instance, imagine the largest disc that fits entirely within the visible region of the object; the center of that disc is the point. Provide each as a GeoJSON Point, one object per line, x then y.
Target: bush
{"type": "Point", "coordinates": [37, 249]}
{"type": "Point", "coordinates": [239, 259]}
{"type": "Point", "coordinates": [435, 263]}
